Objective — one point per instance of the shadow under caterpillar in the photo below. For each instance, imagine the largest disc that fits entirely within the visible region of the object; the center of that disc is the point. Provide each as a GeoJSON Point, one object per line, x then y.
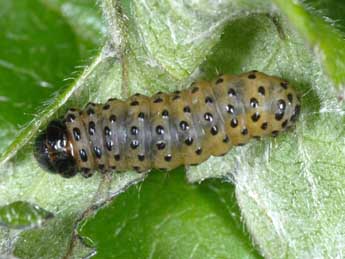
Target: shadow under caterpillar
{"type": "Point", "coordinates": [168, 129]}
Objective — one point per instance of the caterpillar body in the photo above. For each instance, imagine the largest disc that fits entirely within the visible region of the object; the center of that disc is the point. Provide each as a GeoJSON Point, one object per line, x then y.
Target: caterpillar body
{"type": "Point", "coordinates": [168, 129]}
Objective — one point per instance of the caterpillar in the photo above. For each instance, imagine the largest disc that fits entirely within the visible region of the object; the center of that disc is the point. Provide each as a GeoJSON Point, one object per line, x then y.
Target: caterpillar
{"type": "Point", "coordinates": [168, 129]}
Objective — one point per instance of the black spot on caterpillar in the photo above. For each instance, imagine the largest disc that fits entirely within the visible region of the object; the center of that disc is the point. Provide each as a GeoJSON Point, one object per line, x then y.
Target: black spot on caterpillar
{"type": "Point", "coordinates": [168, 129]}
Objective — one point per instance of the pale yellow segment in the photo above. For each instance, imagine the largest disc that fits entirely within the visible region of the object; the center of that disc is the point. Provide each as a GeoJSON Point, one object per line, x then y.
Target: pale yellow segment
{"type": "Point", "coordinates": [116, 159]}
{"type": "Point", "coordinates": [168, 157]}
{"type": "Point", "coordinates": [79, 145]}
{"type": "Point", "coordinates": [138, 153]}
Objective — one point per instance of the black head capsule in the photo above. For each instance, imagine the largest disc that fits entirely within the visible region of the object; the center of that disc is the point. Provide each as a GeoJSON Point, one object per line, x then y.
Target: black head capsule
{"type": "Point", "coordinates": [52, 152]}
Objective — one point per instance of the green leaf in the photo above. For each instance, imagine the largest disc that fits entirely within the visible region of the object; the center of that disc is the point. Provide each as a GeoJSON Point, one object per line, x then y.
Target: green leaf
{"type": "Point", "coordinates": [147, 221]}
{"type": "Point", "coordinates": [331, 10]}
{"type": "Point", "coordinates": [289, 189]}
{"type": "Point", "coordinates": [85, 19]}
{"type": "Point", "coordinates": [26, 53]}
{"type": "Point", "coordinates": [323, 36]}
{"type": "Point", "coordinates": [22, 214]}
{"type": "Point", "coordinates": [39, 48]}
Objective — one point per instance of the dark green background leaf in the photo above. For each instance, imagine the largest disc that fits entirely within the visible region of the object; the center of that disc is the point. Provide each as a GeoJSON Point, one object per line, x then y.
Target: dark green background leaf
{"type": "Point", "coordinates": [22, 214]}
{"type": "Point", "coordinates": [166, 217]}
{"type": "Point", "coordinates": [321, 35]}
{"type": "Point", "coordinates": [39, 49]}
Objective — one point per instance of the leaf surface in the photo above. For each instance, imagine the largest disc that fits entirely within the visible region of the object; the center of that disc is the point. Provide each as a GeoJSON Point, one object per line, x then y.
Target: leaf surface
{"type": "Point", "coordinates": [289, 189]}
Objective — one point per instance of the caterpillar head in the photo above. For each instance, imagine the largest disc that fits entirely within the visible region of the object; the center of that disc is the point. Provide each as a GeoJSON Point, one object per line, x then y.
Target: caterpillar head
{"type": "Point", "coordinates": [52, 152]}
